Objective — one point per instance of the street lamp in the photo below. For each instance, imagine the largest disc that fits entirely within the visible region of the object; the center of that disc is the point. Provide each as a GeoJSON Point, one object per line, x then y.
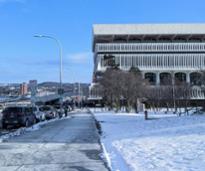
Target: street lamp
{"type": "Point", "coordinates": [61, 64]}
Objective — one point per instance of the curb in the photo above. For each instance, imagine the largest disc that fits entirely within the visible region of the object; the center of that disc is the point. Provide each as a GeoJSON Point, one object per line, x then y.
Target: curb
{"type": "Point", "coordinates": [99, 133]}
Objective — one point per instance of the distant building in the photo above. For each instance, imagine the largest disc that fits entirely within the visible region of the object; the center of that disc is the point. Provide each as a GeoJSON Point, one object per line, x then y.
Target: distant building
{"type": "Point", "coordinates": [24, 89]}
{"type": "Point", "coordinates": [160, 51]}
{"type": "Point", "coordinates": [33, 86]}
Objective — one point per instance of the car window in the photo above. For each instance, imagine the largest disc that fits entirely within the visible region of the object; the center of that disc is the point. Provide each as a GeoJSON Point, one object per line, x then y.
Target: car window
{"type": "Point", "coordinates": [45, 108]}
{"type": "Point", "coordinates": [28, 110]}
{"type": "Point", "coordinates": [34, 109]}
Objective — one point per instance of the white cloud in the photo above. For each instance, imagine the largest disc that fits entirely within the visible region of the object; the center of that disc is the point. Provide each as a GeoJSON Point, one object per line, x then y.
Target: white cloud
{"type": "Point", "coordinates": [79, 58]}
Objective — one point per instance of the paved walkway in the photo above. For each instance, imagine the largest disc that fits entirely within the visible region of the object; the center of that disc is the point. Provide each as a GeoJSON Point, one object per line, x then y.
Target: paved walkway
{"type": "Point", "coordinates": [64, 145]}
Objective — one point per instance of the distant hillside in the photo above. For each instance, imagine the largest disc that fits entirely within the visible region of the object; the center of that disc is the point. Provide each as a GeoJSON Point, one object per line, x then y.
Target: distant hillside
{"type": "Point", "coordinates": [68, 87]}
{"type": "Point", "coordinates": [48, 84]}
{"type": "Point", "coordinates": [55, 84]}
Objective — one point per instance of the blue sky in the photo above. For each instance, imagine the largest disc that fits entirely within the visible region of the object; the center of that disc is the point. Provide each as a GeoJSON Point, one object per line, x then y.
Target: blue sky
{"type": "Point", "coordinates": [23, 57]}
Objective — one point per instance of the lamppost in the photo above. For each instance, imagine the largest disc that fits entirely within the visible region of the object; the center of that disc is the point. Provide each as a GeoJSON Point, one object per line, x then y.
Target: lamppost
{"type": "Point", "coordinates": [61, 66]}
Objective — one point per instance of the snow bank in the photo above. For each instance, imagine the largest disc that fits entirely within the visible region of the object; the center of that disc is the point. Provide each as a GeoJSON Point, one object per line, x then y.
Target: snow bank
{"type": "Point", "coordinates": [165, 142]}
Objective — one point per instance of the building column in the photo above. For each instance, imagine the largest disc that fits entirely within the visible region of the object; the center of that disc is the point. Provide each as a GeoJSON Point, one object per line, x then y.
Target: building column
{"type": "Point", "coordinates": [99, 62]}
{"type": "Point", "coordinates": [188, 78]}
{"type": "Point", "coordinates": [143, 75]}
{"type": "Point", "coordinates": [173, 78]}
{"type": "Point", "coordinates": [120, 58]}
{"type": "Point", "coordinates": [158, 78]}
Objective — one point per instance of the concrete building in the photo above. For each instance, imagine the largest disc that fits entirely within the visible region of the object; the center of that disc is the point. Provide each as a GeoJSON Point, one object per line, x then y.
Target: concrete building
{"type": "Point", "coordinates": [23, 89]}
{"type": "Point", "coordinates": [159, 50]}
{"type": "Point", "coordinates": [33, 87]}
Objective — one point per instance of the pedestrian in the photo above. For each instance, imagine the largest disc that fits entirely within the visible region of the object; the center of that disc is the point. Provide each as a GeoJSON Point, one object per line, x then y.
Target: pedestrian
{"type": "Point", "coordinates": [146, 115]}
{"type": "Point", "coordinates": [66, 111]}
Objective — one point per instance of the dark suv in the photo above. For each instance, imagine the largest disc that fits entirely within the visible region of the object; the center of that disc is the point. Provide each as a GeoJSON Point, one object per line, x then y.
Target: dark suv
{"type": "Point", "coordinates": [18, 116]}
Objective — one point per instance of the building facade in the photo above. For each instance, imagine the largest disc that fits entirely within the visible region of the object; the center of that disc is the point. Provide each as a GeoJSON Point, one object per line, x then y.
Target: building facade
{"type": "Point", "coordinates": [23, 89]}
{"type": "Point", "coordinates": [160, 51]}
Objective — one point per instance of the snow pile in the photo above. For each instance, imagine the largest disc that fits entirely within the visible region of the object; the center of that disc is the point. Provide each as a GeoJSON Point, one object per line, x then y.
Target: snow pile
{"type": "Point", "coordinates": [18, 132]}
{"type": "Point", "coordinates": [165, 142]}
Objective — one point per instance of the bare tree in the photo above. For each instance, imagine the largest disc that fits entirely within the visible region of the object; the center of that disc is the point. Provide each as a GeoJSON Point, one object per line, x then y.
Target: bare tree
{"type": "Point", "coordinates": [121, 86]}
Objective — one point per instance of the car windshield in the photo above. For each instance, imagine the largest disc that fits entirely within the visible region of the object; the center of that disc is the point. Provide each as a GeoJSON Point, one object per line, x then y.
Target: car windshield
{"type": "Point", "coordinates": [45, 108]}
{"type": "Point", "coordinates": [57, 107]}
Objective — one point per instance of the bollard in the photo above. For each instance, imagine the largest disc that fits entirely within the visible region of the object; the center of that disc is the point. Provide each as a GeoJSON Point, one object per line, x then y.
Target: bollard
{"type": "Point", "coordinates": [145, 115]}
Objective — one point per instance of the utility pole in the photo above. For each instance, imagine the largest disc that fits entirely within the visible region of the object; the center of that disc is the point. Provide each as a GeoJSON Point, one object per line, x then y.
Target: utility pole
{"type": "Point", "coordinates": [79, 95]}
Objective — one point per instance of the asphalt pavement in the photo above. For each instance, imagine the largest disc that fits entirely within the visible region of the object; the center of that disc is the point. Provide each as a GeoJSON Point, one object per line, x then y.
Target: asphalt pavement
{"type": "Point", "coordinates": [65, 145]}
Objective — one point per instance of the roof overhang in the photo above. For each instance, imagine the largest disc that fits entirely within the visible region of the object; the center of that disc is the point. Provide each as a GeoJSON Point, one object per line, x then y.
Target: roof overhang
{"type": "Point", "coordinates": [109, 32]}
{"type": "Point", "coordinates": [147, 29]}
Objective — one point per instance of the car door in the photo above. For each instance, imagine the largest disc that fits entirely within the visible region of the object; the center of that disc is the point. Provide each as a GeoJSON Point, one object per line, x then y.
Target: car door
{"type": "Point", "coordinates": [31, 114]}
{"type": "Point", "coordinates": [26, 111]}
{"type": "Point", "coordinates": [35, 112]}
{"type": "Point", "coordinates": [24, 115]}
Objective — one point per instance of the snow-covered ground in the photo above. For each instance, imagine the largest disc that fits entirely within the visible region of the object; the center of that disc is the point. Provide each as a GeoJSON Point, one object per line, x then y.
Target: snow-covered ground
{"type": "Point", "coordinates": [163, 143]}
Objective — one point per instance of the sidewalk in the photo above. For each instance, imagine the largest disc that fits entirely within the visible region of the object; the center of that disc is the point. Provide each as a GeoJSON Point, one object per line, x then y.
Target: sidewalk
{"type": "Point", "coordinates": [65, 145]}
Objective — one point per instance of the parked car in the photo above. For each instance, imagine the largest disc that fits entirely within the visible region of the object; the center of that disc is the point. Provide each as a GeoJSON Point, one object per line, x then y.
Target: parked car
{"type": "Point", "coordinates": [40, 115]}
{"type": "Point", "coordinates": [49, 111]}
{"type": "Point", "coordinates": [1, 108]}
{"type": "Point", "coordinates": [18, 116]}
{"type": "Point", "coordinates": [58, 109]}
{"type": "Point", "coordinates": [0, 120]}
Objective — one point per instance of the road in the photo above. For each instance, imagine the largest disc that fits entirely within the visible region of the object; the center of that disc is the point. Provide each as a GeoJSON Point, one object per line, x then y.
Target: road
{"type": "Point", "coordinates": [65, 145]}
